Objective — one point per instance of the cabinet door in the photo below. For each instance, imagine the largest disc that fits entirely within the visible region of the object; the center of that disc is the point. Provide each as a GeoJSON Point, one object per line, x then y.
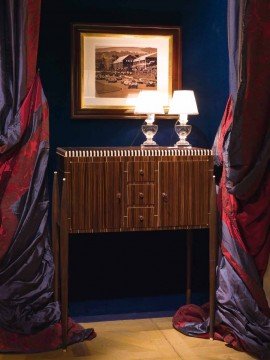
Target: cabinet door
{"type": "Point", "coordinates": [183, 193]}
{"type": "Point", "coordinates": [114, 174]}
{"type": "Point", "coordinates": [96, 194]}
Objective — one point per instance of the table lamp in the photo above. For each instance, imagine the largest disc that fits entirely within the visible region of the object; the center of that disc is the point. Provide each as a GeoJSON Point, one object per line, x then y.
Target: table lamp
{"type": "Point", "coordinates": [183, 104]}
{"type": "Point", "coordinates": [149, 102]}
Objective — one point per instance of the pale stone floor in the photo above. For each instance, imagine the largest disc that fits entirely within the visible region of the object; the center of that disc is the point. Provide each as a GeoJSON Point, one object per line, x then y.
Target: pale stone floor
{"type": "Point", "coordinates": [144, 339]}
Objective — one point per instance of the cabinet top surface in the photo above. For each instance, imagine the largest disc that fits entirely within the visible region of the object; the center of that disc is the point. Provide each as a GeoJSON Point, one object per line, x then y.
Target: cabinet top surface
{"type": "Point", "coordinates": [131, 151]}
{"type": "Point", "coordinates": [66, 148]}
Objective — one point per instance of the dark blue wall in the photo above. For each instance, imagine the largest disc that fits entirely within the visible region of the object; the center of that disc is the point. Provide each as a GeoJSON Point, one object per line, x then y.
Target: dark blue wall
{"type": "Point", "coordinates": [153, 263]}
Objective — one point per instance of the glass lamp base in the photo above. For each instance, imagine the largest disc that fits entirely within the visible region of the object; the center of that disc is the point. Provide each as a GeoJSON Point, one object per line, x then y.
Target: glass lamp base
{"type": "Point", "coordinates": [149, 130]}
{"type": "Point", "coordinates": [182, 143]}
{"type": "Point", "coordinates": [182, 130]}
{"type": "Point", "coordinates": [149, 143]}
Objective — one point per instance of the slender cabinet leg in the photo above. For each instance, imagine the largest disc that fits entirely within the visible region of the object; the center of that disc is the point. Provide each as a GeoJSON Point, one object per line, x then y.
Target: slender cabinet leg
{"type": "Point", "coordinates": [64, 263]}
{"type": "Point", "coordinates": [212, 256]}
{"type": "Point", "coordinates": [189, 239]}
{"type": "Point", "coordinates": [55, 234]}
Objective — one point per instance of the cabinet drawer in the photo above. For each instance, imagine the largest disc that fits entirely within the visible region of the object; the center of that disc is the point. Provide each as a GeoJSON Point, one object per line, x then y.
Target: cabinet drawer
{"type": "Point", "coordinates": [140, 171]}
{"type": "Point", "coordinates": [141, 194]}
{"type": "Point", "coordinates": [141, 217]}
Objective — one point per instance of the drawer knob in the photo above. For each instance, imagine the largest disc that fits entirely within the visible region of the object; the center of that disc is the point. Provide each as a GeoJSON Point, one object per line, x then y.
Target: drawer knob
{"type": "Point", "coordinates": [141, 172]}
{"type": "Point", "coordinates": [141, 218]}
{"type": "Point", "coordinates": [141, 195]}
{"type": "Point", "coordinates": [118, 196]}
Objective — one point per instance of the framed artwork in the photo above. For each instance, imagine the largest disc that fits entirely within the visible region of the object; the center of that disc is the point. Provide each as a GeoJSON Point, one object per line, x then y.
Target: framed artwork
{"type": "Point", "coordinates": [112, 63]}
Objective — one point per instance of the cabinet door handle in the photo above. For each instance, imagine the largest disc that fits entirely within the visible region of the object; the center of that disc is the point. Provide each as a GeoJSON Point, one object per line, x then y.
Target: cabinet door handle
{"type": "Point", "coordinates": [118, 196]}
{"type": "Point", "coordinates": [141, 195]}
{"type": "Point", "coordinates": [141, 218]}
{"type": "Point", "coordinates": [165, 196]}
{"type": "Point", "coordinates": [141, 172]}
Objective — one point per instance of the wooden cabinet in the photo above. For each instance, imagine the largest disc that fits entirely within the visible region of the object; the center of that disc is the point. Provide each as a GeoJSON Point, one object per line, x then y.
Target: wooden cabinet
{"type": "Point", "coordinates": [111, 189]}
{"type": "Point", "coordinates": [132, 189]}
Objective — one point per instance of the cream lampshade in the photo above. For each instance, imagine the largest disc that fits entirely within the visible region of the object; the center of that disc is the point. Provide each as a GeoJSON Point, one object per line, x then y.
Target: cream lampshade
{"type": "Point", "coordinates": [149, 102]}
{"type": "Point", "coordinates": [183, 104]}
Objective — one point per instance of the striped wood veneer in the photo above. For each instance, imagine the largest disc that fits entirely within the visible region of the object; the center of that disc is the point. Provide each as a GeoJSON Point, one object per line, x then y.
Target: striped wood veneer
{"type": "Point", "coordinates": [128, 189]}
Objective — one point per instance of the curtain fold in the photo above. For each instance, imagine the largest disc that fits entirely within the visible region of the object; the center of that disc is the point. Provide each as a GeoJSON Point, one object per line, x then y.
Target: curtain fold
{"type": "Point", "coordinates": [29, 318]}
{"type": "Point", "coordinates": [242, 151]}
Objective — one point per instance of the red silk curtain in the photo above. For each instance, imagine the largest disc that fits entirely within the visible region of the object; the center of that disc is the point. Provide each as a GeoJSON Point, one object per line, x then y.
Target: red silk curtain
{"type": "Point", "coordinates": [29, 316]}
{"type": "Point", "coordinates": [242, 151]}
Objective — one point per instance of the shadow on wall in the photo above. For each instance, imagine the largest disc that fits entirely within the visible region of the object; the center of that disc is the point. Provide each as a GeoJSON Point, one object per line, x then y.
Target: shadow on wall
{"type": "Point", "coordinates": [120, 265]}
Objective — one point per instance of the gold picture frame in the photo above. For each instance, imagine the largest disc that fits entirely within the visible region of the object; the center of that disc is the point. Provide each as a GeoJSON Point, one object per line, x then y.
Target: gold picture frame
{"type": "Point", "coordinates": [112, 63]}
